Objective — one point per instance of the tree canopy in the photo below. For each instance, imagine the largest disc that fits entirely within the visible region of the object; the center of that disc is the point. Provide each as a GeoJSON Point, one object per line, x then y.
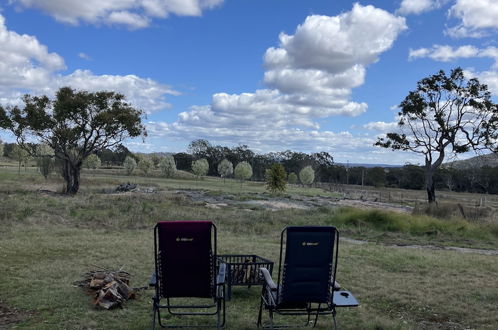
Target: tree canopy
{"type": "Point", "coordinates": [445, 114]}
{"type": "Point", "coordinates": [75, 124]}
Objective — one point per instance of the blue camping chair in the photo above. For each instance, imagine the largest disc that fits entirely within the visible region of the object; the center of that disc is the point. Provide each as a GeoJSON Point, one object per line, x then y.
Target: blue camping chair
{"type": "Point", "coordinates": [306, 276]}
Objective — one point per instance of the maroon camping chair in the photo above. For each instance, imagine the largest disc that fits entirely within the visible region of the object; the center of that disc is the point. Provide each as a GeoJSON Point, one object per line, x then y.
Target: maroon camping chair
{"type": "Point", "coordinates": [186, 267]}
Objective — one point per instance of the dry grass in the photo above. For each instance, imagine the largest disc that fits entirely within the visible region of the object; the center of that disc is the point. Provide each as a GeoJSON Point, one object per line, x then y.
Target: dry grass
{"type": "Point", "coordinates": [47, 241]}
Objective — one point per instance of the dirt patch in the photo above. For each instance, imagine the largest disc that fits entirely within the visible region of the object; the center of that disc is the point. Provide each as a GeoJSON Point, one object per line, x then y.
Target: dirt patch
{"type": "Point", "coordinates": [276, 205]}
{"type": "Point", "coordinates": [375, 205]}
{"type": "Point", "coordinates": [283, 203]}
{"type": "Point", "coordinates": [10, 316]}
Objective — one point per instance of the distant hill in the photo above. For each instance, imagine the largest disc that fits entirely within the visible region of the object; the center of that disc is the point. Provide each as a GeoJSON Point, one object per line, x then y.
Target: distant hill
{"type": "Point", "coordinates": [490, 160]}
{"type": "Point", "coordinates": [367, 165]}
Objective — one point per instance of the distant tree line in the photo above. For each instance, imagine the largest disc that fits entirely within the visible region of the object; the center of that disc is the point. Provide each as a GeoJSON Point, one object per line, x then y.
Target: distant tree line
{"type": "Point", "coordinates": [222, 161]}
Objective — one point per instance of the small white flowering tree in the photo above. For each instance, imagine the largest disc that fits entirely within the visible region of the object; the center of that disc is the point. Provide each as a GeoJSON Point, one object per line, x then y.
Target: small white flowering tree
{"type": "Point", "coordinates": [243, 171]}
{"type": "Point", "coordinates": [200, 167]}
{"type": "Point", "coordinates": [307, 175]}
{"type": "Point", "coordinates": [168, 166]}
{"type": "Point", "coordinates": [225, 168]}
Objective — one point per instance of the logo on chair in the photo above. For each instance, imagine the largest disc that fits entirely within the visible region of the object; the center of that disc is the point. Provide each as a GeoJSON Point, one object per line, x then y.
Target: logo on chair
{"type": "Point", "coordinates": [184, 239]}
{"type": "Point", "coordinates": [310, 244]}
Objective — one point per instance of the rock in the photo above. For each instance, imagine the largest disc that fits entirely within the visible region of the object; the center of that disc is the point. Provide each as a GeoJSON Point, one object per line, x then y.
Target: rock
{"type": "Point", "coordinates": [126, 187]}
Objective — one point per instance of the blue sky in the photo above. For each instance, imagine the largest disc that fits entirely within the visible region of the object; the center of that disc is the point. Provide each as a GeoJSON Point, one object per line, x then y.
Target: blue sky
{"type": "Point", "coordinates": [307, 75]}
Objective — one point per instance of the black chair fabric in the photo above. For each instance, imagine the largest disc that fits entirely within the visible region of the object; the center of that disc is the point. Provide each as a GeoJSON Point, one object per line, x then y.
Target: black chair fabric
{"type": "Point", "coordinates": [185, 259]}
{"type": "Point", "coordinates": [307, 269]}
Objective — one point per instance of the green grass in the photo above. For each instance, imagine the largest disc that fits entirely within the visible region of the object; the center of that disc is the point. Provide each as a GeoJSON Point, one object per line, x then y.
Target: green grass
{"type": "Point", "coordinates": [421, 227]}
{"type": "Point", "coordinates": [48, 241]}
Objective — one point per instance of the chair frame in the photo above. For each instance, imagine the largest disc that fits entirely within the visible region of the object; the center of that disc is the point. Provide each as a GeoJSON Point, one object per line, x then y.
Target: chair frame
{"type": "Point", "coordinates": [218, 288]}
{"type": "Point", "coordinates": [312, 309]}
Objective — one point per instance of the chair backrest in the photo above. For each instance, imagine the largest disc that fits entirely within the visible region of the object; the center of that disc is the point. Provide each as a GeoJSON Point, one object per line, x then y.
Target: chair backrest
{"type": "Point", "coordinates": [308, 271]}
{"type": "Point", "coordinates": [184, 256]}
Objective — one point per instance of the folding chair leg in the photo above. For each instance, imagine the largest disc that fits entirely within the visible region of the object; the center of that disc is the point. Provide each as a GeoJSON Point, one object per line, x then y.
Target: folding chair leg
{"type": "Point", "coordinates": [260, 315]}
{"type": "Point", "coordinates": [154, 311]}
{"type": "Point", "coordinates": [333, 316]}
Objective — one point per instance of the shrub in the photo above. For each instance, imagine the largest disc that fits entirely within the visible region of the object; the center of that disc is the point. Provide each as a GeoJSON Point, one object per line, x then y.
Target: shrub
{"type": "Point", "coordinates": [292, 178]}
{"type": "Point", "coordinates": [275, 178]}
{"type": "Point", "coordinates": [145, 165]}
{"type": "Point", "coordinates": [129, 164]}
{"type": "Point", "coordinates": [168, 166]}
{"type": "Point", "coordinates": [92, 161]}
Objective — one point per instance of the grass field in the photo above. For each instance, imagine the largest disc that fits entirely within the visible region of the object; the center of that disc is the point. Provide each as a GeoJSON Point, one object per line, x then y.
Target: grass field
{"type": "Point", "coordinates": [47, 241]}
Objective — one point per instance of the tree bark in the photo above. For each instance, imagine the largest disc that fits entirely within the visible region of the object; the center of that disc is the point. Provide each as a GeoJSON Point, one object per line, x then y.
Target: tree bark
{"type": "Point", "coordinates": [71, 173]}
{"type": "Point", "coordinates": [430, 185]}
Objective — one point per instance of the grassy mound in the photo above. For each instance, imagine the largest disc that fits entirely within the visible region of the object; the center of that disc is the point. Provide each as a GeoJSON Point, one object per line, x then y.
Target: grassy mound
{"type": "Point", "coordinates": [418, 225]}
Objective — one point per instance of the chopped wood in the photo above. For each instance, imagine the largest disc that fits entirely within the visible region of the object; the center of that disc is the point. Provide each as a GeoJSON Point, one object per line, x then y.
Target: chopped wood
{"type": "Point", "coordinates": [110, 289]}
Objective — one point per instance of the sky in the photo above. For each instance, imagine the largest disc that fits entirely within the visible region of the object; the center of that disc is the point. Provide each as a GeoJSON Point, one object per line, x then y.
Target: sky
{"type": "Point", "coordinates": [304, 75]}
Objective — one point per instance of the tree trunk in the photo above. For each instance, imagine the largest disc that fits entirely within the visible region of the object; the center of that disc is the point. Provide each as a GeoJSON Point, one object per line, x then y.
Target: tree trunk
{"type": "Point", "coordinates": [430, 185]}
{"type": "Point", "coordinates": [71, 173]}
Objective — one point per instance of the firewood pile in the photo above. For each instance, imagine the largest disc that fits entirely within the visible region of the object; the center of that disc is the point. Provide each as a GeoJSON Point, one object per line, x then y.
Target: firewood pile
{"type": "Point", "coordinates": [110, 289]}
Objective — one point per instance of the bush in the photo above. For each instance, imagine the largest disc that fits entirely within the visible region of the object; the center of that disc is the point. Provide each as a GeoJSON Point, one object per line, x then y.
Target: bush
{"type": "Point", "coordinates": [145, 165]}
{"type": "Point", "coordinates": [92, 161]}
{"type": "Point", "coordinates": [292, 178]}
{"type": "Point", "coordinates": [275, 178]}
{"type": "Point", "coordinates": [129, 164]}
{"type": "Point", "coordinates": [168, 166]}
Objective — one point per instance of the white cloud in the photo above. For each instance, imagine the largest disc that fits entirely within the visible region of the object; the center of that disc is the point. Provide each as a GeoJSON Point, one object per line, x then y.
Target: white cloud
{"type": "Point", "coordinates": [26, 66]}
{"type": "Point", "coordinates": [445, 53]}
{"type": "Point", "coordinates": [131, 13]}
{"type": "Point", "coordinates": [489, 78]}
{"type": "Point", "coordinates": [310, 75]}
{"type": "Point", "coordinates": [85, 56]}
{"type": "Point", "coordinates": [382, 126]}
{"type": "Point", "coordinates": [417, 7]}
{"type": "Point", "coordinates": [478, 18]}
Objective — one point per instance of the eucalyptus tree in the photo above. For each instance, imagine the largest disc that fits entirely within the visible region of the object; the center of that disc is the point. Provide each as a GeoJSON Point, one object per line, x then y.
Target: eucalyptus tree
{"type": "Point", "coordinates": [75, 124]}
{"type": "Point", "coordinates": [445, 115]}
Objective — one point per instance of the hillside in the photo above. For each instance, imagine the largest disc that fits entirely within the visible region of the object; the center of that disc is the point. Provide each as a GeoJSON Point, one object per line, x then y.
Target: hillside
{"type": "Point", "coordinates": [490, 160]}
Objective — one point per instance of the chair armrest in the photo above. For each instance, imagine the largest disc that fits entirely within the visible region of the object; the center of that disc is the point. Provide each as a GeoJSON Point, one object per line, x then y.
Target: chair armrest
{"type": "Point", "coordinates": [220, 279]}
{"type": "Point", "coordinates": [268, 279]}
{"type": "Point", "coordinates": [153, 279]}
